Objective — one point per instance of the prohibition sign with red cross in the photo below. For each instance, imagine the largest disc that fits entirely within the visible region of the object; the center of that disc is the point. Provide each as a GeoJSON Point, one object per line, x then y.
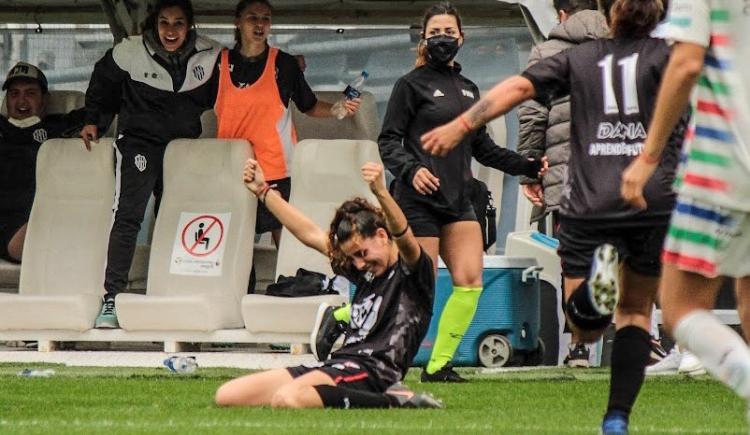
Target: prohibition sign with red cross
{"type": "Point", "coordinates": [191, 244]}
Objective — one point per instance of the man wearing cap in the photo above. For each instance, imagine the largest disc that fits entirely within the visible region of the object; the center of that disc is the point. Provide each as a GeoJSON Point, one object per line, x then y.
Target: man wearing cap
{"type": "Point", "coordinates": [22, 131]}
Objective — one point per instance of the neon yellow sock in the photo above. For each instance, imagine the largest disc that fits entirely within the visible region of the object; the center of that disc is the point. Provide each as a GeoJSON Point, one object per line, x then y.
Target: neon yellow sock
{"type": "Point", "coordinates": [455, 320]}
{"type": "Point", "coordinates": [343, 314]}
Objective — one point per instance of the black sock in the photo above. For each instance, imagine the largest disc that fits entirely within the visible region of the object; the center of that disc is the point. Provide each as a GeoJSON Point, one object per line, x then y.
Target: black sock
{"type": "Point", "coordinates": [581, 311]}
{"type": "Point", "coordinates": [630, 354]}
{"type": "Point", "coordinates": [340, 397]}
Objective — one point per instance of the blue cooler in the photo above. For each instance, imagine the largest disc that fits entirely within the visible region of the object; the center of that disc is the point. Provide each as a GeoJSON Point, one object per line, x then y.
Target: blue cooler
{"type": "Point", "coordinates": [505, 328]}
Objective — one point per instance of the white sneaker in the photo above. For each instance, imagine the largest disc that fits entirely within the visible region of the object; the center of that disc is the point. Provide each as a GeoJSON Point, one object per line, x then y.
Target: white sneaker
{"type": "Point", "coordinates": [690, 365]}
{"type": "Point", "coordinates": [604, 282]}
{"type": "Point", "coordinates": [668, 365]}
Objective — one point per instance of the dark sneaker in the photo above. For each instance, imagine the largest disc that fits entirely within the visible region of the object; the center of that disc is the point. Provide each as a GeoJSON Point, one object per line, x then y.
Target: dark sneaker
{"type": "Point", "coordinates": [657, 352]}
{"type": "Point", "coordinates": [446, 374]}
{"type": "Point", "coordinates": [578, 356]}
{"type": "Point", "coordinates": [325, 332]}
{"type": "Point", "coordinates": [615, 423]}
{"type": "Point", "coordinates": [604, 282]}
{"type": "Point", "coordinates": [407, 398]}
{"type": "Point", "coordinates": [107, 318]}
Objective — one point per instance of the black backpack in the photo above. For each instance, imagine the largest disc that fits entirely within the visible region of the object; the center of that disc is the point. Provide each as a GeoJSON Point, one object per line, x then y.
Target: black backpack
{"type": "Point", "coordinates": [484, 208]}
{"type": "Point", "coordinates": [304, 283]}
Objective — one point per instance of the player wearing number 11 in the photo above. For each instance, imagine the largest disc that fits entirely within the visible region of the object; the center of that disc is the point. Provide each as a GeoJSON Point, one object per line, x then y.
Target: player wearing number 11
{"type": "Point", "coordinates": [612, 84]}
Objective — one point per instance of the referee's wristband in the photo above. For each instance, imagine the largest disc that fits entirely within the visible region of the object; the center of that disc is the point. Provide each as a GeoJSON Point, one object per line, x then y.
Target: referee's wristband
{"type": "Point", "coordinates": [401, 233]}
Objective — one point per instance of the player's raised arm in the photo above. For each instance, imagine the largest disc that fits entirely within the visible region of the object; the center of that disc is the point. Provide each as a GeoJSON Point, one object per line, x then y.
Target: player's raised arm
{"type": "Point", "coordinates": [300, 225]}
{"type": "Point", "coordinates": [500, 100]}
{"type": "Point", "coordinates": [399, 228]}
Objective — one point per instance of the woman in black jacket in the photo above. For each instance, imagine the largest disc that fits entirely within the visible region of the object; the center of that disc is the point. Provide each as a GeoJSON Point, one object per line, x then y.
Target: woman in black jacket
{"type": "Point", "coordinates": [158, 84]}
{"type": "Point", "coordinates": [432, 191]}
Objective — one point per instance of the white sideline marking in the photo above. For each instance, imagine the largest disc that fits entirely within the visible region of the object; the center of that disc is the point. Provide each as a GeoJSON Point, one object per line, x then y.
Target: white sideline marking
{"type": "Point", "coordinates": [251, 361]}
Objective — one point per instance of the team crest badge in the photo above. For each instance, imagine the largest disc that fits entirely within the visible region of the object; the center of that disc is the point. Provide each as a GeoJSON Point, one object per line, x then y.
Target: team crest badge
{"type": "Point", "coordinates": [39, 135]}
{"type": "Point", "coordinates": [198, 72]}
{"type": "Point", "coordinates": [140, 162]}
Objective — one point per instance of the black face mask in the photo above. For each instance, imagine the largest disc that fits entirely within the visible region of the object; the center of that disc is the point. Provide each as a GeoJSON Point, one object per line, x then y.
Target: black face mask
{"type": "Point", "coordinates": [442, 48]}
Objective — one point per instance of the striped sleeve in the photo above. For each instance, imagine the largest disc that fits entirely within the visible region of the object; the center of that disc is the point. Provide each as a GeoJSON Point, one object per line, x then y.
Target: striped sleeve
{"type": "Point", "coordinates": [689, 21]}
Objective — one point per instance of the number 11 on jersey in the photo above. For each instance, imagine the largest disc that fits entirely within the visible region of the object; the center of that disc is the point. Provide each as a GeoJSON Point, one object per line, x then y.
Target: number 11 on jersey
{"type": "Point", "coordinates": [629, 67]}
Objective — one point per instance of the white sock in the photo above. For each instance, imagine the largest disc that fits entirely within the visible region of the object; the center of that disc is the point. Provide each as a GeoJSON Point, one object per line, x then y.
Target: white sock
{"type": "Point", "coordinates": [721, 350]}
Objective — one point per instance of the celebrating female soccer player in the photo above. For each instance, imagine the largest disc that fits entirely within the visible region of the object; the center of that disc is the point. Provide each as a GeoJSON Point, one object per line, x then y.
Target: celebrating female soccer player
{"type": "Point", "coordinates": [391, 309]}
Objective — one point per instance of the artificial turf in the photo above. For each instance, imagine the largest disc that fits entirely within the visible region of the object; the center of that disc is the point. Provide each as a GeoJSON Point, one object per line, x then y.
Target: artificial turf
{"type": "Point", "coordinates": [81, 400]}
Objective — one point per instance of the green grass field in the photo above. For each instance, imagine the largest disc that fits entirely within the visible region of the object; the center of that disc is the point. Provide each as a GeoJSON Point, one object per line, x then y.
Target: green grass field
{"type": "Point", "coordinates": [555, 401]}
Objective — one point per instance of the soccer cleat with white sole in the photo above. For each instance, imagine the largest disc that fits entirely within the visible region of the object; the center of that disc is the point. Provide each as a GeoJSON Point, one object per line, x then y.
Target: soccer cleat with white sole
{"type": "Point", "coordinates": [668, 365]}
{"type": "Point", "coordinates": [604, 287]}
{"type": "Point", "coordinates": [690, 365]}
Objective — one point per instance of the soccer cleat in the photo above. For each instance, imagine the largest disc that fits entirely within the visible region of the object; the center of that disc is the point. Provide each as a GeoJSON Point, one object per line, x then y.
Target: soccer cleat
{"type": "Point", "coordinates": [578, 356]}
{"type": "Point", "coordinates": [668, 365]}
{"type": "Point", "coordinates": [615, 423]}
{"type": "Point", "coordinates": [407, 398]}
{"type": "Point", "coordinates": [107, 318]}
{"type": "Point", "coordinates": [604, 287]}
{"type": "Point", "coordinates": [325, 332]}
{"type": "Point", "coordinates": [690, 365]}
{"type": "Point", "coordinates": [657, 352]}
{"type": "Point", "coordinates": [445, 374]}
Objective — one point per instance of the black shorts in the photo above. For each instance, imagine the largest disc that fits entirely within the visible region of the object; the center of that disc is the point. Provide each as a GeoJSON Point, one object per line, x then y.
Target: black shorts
{"type": "Point", "coordinates": [9, 226]}
{"type": "Point", "coordinates": [265, 221]}
{"type": "Point", "coordinates": [427, 220]}
{"type": "Point", "coordinates": [639, 245]}
{"type": "Point", "coordinates": [345, 373]}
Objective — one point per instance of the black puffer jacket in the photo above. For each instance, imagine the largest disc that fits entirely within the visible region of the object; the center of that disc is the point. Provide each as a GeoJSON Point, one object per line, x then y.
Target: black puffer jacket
{"type": "Point", "coordinates": [545, 130]}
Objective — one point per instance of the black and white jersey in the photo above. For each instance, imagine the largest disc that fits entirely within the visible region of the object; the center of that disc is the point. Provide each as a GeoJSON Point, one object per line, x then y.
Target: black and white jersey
{"type": "Point", "coordinates": [19, 147]}
{"type": "Point", "coordinates": [613, 85]}
{"type": "Point", "coordinates": [154, 103]}
{"type": "Point", "coordinates": [390, 315]}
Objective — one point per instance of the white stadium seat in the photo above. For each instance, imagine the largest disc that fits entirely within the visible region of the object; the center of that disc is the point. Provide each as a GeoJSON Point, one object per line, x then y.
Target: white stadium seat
{"type": "Point", "coordinates": [66, 242]}
{"type": "Point", "coordinates": [189, 289]}
{"type": "Point", "coordinates": [325, 173]}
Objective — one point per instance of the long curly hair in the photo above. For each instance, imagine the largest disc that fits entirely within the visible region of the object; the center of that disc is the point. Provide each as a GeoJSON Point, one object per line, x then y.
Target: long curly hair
{"type": "Point", "coordinates": [354, 217]}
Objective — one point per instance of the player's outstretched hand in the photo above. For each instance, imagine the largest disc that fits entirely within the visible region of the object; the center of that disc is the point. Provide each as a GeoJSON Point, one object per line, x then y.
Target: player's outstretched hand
{"type": "Point", "coordinates": [372, 173]}
{"type": "Point", "coordinates": [634, 179]}
{"type": "Point", "coordinates": [253, 176]}
{"type": "Point", "coordinates": [441, 140]}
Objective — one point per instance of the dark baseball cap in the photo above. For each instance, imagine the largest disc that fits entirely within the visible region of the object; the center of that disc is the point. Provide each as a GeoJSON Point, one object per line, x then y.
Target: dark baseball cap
{"type": "Point", "coordinates": [23, 70]}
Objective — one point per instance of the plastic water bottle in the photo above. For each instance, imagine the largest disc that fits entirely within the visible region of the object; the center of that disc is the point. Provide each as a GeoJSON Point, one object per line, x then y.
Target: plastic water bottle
{"type": "Point", "coordinates": [353, 90]}
{"type": "Point", "coordinates": [36, 373]}
{"type": "Point", "coordinates": [181, 364]}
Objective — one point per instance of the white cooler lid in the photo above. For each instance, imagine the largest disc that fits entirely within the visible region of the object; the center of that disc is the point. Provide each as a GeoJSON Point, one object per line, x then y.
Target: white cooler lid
{"type": "Point", "coordinates": [502, 262]}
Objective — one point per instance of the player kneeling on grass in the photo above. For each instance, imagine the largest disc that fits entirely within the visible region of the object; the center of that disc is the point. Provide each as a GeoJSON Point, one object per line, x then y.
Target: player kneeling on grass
{"type": "Point", "coordinates": [375, 249]}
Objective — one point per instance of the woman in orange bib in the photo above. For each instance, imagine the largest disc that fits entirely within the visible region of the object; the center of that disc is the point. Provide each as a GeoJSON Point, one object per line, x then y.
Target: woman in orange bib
{"type": "Point", "coordinates": [255, 85]}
